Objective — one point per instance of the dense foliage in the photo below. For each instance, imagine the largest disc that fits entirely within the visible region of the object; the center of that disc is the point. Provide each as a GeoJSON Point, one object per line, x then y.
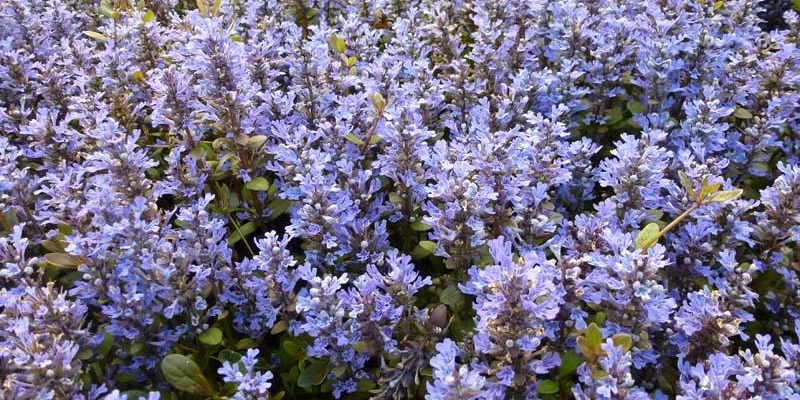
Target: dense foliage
{"type": "Point", "coordinates": [394, 199]}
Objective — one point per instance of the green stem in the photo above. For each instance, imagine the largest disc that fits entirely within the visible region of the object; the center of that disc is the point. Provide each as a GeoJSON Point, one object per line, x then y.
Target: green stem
{"type": "Point", "coordinates": [676, 221]}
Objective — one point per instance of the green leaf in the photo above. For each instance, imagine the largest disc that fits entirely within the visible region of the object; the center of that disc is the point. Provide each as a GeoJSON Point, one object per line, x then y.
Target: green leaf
{"type": "Point", "coordinates": [84, 355]}
{"type": "Point", "coordinates": [243, 231]}
{"type": "Point", "coordinates": [623, 340]}
{"type": "Point", "coordinates": [277, 207]}
{"type": "Point", "coordinates": [378, 102]}
{"type": "Point", "coordinates": [135, 394]}
{"type": "Point", "coordinates": [123, 377]}
{"type": "Point", "coordinates": [229, 356]}
{"type": "Point", "coordinates": [354, 139]}
{"type": "Point", "coordinates": [294, 349]}
{"type": "Point", "coordinates": [365, 385]}
{"type": "Point", "coordinates": [138, 77]}
{"type": "Point", "coordinates": [279, 327]}
{"type": "Point", "coordinates": [216, 6]}
{"type": "Point", "coordinates": [202, 6]}
{"type": "Point", "coordinates": [211, 337]}
{"type": "Point", "coordinates": [419, 226]}
{"type": "Point", "coordinates": [547, 386]}
{"type": "Point", "coordinates": [424, 249]}
{"type": "Point", "coordinates": [255, 142]}
{"type": "Point", "coordinates": [708, 189]}
{"type": "Point", "coordinates": [360, 346]}
{"type": "Point", "coordinates": [339, 370]}
{"type": "Point", "coordinates": [245, 343]}
{"type": "Point", "coordinates": [258, 184]}
{"type": "Point", "coordinates": [635, 107]}
{"type": "Point", "coordinates": [96, 36]}
{"type": "Point", "coordinates": [598, 373]}
{"type": "Point", "coordinates": [569, 363]}
{"type": "Point", "coordinates": [647, 237]}
{"type": "Point", "coordinates": [599, 318]}
{"type": "Point", "coordinates": [742, 113]}
{"type": "Point", "coordinates": [374, 139]}
{"type": "Point", "coordinates": [314, 374]}
{"type": "Point", "coordinates": [105, 10]}
{"type": "Point", "coordinates": [594, 336]}
{"type": "Point", "coordinates": [337, 44]}
{"type": "Point", "coordinates": [723, 196]}
{"type": "Point", "coordinates": [687, 184]}
{"type": "Point", "coordinates": [614, 115]}
{"type": "Point", "coordinates": [452, 296]}
{"type": "Point", "coordinates": [136, 348]}
{"type": "Point", "coordinates": [8, 220]}
{"type": "Point", "coordinates": [62, 260]}
{"type": "Point", "coordinates": [107, 344]}
{"type": "Point", "coordinates": [184, 374]}
{"type": "Point", "coordinates": [589, 352]}
{"type": "Point", "coordinates": [148, 16]}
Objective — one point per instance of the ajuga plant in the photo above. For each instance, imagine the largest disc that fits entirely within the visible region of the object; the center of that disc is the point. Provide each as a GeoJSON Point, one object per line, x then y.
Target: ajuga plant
{"type": "Point", "coordinates": [432, 199]}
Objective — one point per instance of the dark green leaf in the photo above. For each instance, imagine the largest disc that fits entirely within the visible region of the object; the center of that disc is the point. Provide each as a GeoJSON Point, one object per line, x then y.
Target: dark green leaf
{"type": "Point", "coordinates": [365, 385]}
{"type": "Point", "coordinates": [242, 231]}
{"type": "Point", "coordinates": [135, 394]}
{"type": "Point", "coordinates": [183, 374]}
{"type": "Point", "coordinates": [452, 296]}
{"type": "Point", "coordinates": [314, 374]}
{"type": "Point", "coordinates": [339, 370]}
{"type": "Point", "coordinates": [279, 327]}
{"type": "Point", "coordinates": [294, 349]}
{"type": "Point", "coordinates": [277, 207]}
{"type": "Point", "coordinates": [106, 345]}
{"type": "Point", "coordinates": [211, 337]}
{"type": "Point", "coordinates": [136, 348]}
{"type": "Point", "coordinates": [419, 226]}
{"type": "Point", "coordinates": [360, 346]}
{"type": "Point", "coordinates": [614, 115]}
{"type": "Point", "coordinates": [569, 363]}
{"type": "Point", "coordinates": [229, 356]}
{"type": "Point", "coordinates": [245, 343]}
{"type": "Point", "coordinates": [547, 386]}
{"type": "Point", "coordinates": [635, 107]}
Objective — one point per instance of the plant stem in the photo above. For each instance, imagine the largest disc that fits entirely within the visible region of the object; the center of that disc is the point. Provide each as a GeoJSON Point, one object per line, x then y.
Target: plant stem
{"type": "Point", "coordinates": [677, 220]}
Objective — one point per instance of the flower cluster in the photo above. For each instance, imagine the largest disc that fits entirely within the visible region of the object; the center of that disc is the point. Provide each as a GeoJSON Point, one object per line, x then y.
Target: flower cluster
{"type": "Point", "coordinates": [399, 199]}
{"type": "Point", "coordinates": [250, 384]}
